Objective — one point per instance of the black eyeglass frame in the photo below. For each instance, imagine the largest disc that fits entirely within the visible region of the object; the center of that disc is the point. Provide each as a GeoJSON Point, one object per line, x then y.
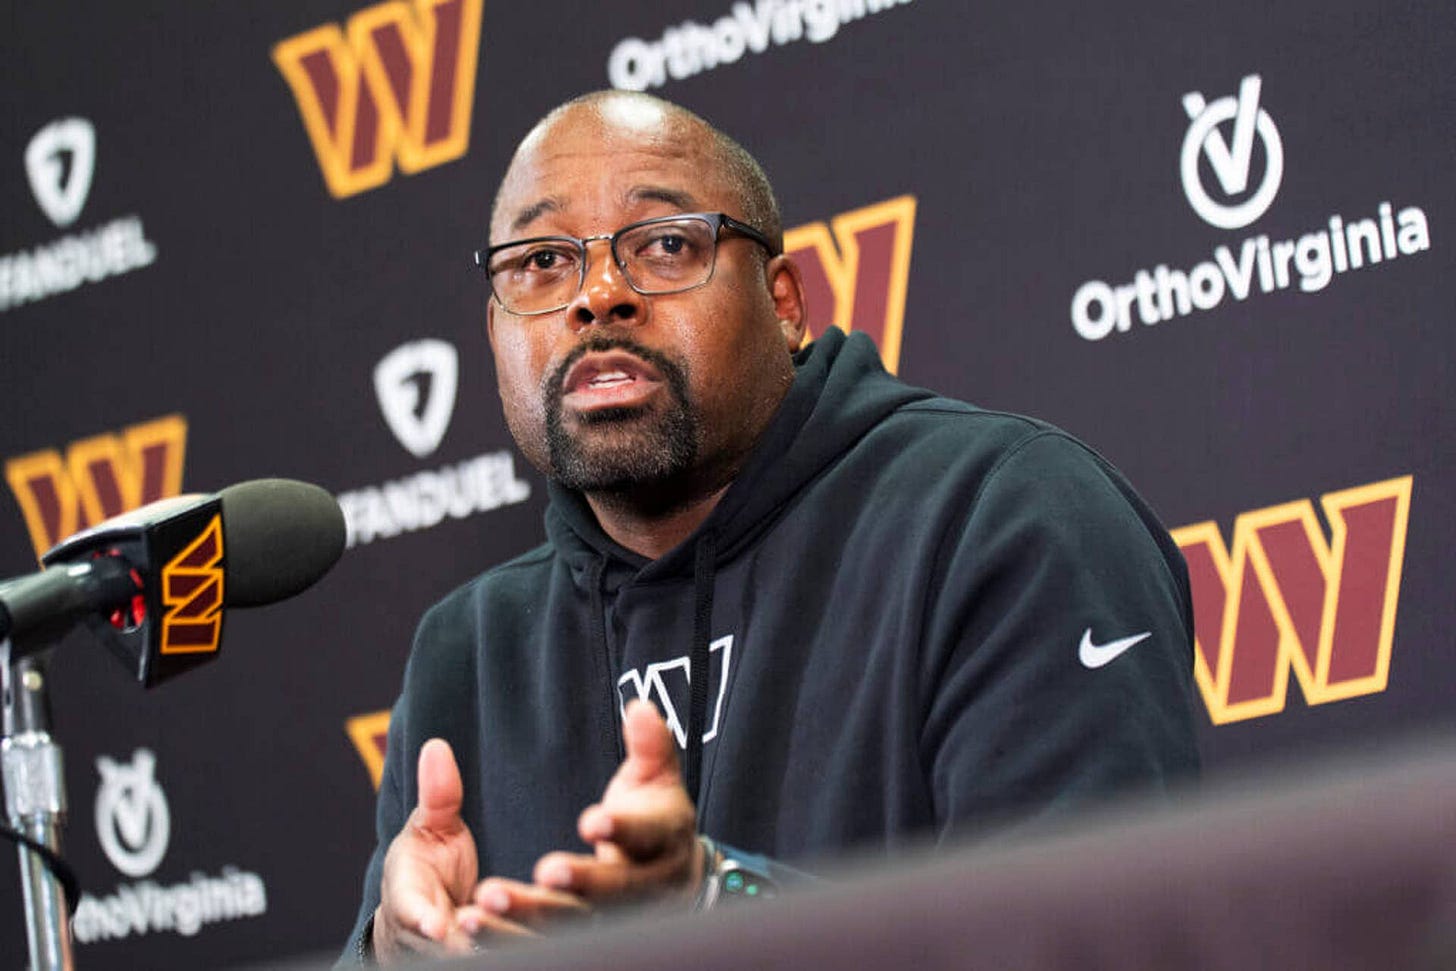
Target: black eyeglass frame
{"type": "Point", "coordinates": [718, 221]}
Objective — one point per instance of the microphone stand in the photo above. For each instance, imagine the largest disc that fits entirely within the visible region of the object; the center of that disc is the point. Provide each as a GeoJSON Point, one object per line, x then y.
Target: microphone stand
{"type": "Point", "coordinates": [35, 801]}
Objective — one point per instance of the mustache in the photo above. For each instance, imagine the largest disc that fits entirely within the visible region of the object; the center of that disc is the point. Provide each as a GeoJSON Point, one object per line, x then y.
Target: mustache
{"type": "Point", "coordinates": [673, 372]}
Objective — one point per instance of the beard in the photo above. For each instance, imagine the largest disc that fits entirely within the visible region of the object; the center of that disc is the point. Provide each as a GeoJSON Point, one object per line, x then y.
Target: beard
{"type": "Point", "coordinates": [617, 449]}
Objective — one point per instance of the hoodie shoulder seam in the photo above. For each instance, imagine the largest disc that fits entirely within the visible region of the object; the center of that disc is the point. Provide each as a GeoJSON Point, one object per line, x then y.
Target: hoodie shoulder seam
{"type": "Point", "coordinates": [943, 406]}
{"type": "Point", "coordinates": [527, 560]}
{"type": "Point", "coordinates": [1103, 466]}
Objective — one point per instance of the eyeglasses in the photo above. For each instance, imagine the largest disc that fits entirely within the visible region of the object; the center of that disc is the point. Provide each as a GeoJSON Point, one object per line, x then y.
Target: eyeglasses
{"type": "Point", "coordinates": [668, 254]}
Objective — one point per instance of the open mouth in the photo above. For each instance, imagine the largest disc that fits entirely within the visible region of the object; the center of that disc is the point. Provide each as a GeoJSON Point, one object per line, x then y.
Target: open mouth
{"type": "Point", "coordinates": [614, 379]}
{"type": "Point", "coordinates": [611, 379]}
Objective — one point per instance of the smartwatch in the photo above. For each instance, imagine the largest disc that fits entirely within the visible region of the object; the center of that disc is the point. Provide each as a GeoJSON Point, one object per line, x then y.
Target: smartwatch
{"type": "Point", "coordinates": [727, 879]}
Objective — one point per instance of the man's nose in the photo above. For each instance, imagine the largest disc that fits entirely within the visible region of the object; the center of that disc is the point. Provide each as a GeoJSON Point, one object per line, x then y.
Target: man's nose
{"type": "Point", "coordinates": [606, 297]}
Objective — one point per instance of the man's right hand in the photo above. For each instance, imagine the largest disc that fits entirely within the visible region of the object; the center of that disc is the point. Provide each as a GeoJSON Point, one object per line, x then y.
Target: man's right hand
{"type": "Point", "coordinates": [430, 868]}
{"type": "Point", "coordinates": [429, 900]}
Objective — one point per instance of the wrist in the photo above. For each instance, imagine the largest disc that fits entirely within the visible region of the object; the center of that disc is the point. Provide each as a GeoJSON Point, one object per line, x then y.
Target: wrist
{"type": "Point", "coordinates": [711, 861]}
{"type": "Point", "coordinates": [726, 878]}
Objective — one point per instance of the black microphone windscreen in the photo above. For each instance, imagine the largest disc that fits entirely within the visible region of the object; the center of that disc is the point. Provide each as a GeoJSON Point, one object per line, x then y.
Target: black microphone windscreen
{"type": "Point", "coordinates": [280, 536]}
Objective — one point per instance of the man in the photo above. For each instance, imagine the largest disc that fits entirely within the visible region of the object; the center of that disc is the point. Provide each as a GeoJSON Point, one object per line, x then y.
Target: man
{"type": "Point", "coordinates": [867, 613]}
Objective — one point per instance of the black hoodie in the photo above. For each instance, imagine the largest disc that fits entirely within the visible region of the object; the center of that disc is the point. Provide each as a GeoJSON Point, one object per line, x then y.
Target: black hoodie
{"type": "Point", "coordinates": [918, 617]}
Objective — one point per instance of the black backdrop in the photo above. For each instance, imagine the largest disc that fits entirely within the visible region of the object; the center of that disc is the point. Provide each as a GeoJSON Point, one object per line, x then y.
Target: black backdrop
{"type": "Point", "coordinates": [959, 173]}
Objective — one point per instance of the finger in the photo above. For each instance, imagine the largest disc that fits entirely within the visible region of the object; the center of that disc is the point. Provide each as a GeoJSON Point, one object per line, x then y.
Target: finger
{"type": "Point", "coordinates": [415, 902]}
{"type": "Point", "coordinates": [601, 880]}
{"type": "Point", "coordinates": [414, 913]}
{"type": "Point", "coordinates": [406, 928]}
{"type": "Point", "coordinates": [457, 941]}
{"type": "Point", "coordinates": [454, 940]}
{"type": "Point", "coordinates": [595, 824]}
{"type": "Point", "coordinates": [403, 943]}
{"type": "Point", "coordinates": [478, 924]}
{"type": "Point", "coordinates": [651, 749]}
{"type": "Point", "coordinates": [532, 905]}
{"type": "Point", "coordinates": [641, 828]}
{"type": "Point", "coordinates": [440, 789]}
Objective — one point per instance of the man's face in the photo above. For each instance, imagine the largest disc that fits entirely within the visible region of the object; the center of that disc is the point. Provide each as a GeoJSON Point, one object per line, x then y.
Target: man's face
{"type": "Point", "coordinates": [620, 391]}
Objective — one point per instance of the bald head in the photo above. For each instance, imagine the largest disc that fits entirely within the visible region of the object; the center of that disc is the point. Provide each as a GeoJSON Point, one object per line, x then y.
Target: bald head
{"type": "Point", "coordinates": [610, 118]}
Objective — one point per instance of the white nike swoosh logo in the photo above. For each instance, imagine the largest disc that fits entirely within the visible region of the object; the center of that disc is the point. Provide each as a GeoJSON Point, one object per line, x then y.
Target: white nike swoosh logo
{"type": "Point", "coordinates": [1096, 655]}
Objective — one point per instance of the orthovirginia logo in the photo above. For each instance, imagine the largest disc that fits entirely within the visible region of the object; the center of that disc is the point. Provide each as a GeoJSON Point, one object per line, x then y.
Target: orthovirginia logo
{"type": "Point", "coordinates": [132, 820]}
{"type": "Point", "coordinates": [1230, 164]}
{"type": "Point", "coordinates": [97, 478]}
{"type": "Point", "coordinates": [1284, 598]}
{"type": "Point", "coordinates": [415, 385]}
{"type": "Point", "coordinates": [134, 826]}
{"type": "Point", "coordinates": [1224, 134]}
{"type": "Point", "coordinates": [691, 48]}
{"type": "Point", "coordinates": [59, 163]}
{"type": "Point", "coordinates": [396, 85]}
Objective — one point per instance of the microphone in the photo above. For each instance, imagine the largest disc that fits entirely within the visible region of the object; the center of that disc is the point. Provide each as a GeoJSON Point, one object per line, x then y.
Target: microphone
{"type": "Point", "coordinates": [151, 583]}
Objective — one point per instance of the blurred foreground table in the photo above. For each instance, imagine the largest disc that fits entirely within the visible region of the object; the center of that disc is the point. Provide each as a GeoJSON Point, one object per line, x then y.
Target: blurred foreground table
{"type": "Point", "coordinates": [1352, 868]}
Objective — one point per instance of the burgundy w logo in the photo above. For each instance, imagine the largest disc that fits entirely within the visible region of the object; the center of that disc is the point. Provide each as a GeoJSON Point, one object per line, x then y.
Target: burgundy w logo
{"type": "Point", "coordinates": [192, 589]}
{"type": "Point", "coordinates": [1284, 599]}
{"type": "Point", "coordinates": [395, 85]}
{"type": "Point", "coordinates": [857, 270]}
{"type": "Point", "coordinates": [97, 478]}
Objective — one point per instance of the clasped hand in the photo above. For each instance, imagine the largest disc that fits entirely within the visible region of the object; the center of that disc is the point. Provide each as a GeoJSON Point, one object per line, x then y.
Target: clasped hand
{"type": "Point", "coordinates": [642, 835]}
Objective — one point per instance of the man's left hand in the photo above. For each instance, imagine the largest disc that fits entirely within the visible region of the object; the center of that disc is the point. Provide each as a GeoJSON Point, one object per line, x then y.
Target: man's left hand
{"type": "Point", "coordinates": [644, 830]}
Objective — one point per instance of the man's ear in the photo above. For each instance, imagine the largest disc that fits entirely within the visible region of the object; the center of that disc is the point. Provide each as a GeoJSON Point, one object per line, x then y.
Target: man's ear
{"type": "Point", "coordinates": [490, 322]}
{"type": "Point", "coordinates": [786, 288]}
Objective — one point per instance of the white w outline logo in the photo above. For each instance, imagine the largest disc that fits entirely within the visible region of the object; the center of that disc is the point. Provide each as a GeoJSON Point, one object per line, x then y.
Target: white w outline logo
{"type": "Point", "coordinates": [652, 685]}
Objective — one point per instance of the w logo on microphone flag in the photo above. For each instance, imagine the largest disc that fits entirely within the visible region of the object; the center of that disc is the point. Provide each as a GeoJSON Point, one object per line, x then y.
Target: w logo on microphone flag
{"type": "Point", "coordinates": [192, 589]}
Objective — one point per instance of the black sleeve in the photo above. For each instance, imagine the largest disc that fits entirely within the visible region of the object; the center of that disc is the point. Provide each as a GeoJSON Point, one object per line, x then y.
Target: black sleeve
{"type": "Point", "coordinates": [1033, 707]}
{"type": "Point", "coordinates": [391, 810]}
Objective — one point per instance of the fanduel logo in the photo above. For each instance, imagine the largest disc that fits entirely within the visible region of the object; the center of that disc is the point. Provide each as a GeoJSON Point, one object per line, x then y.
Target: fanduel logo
{"type": "Point", "coordinates": [416, 384]}
{"type": "Point", "coordinates": [134, 826]}
{"type": "Point", "coordinates": [1257, 264]}
{"type": "Point", "coordinates": [425, 499]}
{"type": "Point", "coordinates": [748, 28]}
{"type": "Point", "coordinates": [59, 163]}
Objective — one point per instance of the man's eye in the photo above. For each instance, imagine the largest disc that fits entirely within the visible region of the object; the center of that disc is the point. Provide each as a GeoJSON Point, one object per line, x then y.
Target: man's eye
{"type": "Point", "coordinates": [667, 244]}
{"type": "Point", "coordinates": [543, 259]}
